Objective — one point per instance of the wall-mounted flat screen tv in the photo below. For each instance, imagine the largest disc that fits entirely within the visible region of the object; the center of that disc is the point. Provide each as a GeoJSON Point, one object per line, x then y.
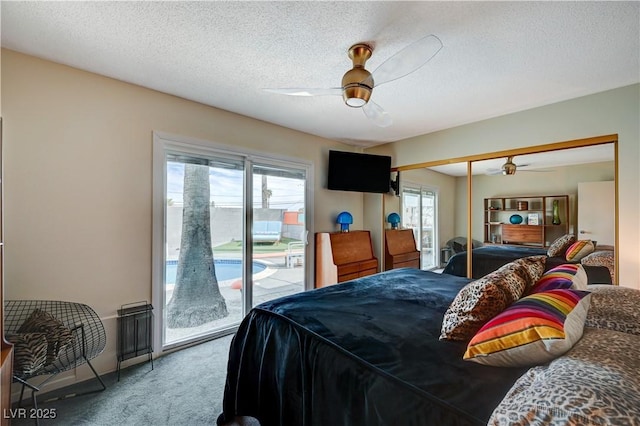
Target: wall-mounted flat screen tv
{"type": "Point", "coordinates": [352, 171]}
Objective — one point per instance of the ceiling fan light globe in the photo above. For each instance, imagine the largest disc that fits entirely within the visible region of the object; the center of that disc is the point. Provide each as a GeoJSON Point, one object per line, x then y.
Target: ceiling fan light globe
{"type": "Point", "coordinates": [355, 102]}
{"type": "Point", "coordinates": [356, 95]}
{"type": "Point", "coordinates": [509, 169]}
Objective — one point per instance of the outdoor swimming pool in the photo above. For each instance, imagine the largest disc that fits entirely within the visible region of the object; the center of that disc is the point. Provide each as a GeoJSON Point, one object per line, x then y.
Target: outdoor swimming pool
{"type": "Point", "coordinates": [226, 269]}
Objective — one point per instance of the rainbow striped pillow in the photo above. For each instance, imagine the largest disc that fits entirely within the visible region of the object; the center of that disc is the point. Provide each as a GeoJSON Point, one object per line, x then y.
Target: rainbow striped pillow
{"type": "Point", "coordinates": [570, 275]}
{"type": "Point", "coordinates": [534, 330]}
{"type": "Point", "coordinates": [579, 249]}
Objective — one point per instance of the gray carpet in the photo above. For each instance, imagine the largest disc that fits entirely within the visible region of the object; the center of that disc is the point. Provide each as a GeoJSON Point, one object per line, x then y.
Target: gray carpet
{"type": "Point", "coordinates": [184, 388]}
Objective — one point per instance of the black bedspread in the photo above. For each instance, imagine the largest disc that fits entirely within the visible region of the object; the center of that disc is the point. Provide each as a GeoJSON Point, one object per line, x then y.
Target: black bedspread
{"type": "Point", "coordinates": [487, 259]}
{"type": "Point", "coordinates": [364, 352]}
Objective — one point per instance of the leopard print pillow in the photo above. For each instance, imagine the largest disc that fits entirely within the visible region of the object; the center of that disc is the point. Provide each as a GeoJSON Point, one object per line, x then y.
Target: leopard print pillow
{"type": "Point", "coordinates": [614, 308]}
{"type": "Point", "coordinates": [483, 299]}
{"type": "Point", "coordinates": [534, 266]}
{"type": "Point", "coordinates": [560, 246]}
{"type": "Point", "coordinates": [473, 306]}
{"type": "Point", "coordinates": [601, 258]}
{"type": "Point", "coordinates": [595, 383]}
{"type": "Point", "coordinates": [513, 279]}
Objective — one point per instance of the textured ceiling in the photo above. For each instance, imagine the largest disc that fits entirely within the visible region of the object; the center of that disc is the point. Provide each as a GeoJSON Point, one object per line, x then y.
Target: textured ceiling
{"type": "Point", "coordinates": [498, 57]}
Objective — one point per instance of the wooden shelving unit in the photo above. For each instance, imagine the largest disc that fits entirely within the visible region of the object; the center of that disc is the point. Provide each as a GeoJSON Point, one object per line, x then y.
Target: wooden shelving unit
{"type": "Point", "coordinates": [536, 229]}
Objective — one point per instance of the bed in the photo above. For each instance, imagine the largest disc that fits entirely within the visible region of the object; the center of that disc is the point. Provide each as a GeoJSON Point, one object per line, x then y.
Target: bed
{"type": "Point", "coordinates": [368, 352]}
{"type": "Point", "coordinates": [364, 352]}
{"type": "Point", "coordinates": [487, 259]}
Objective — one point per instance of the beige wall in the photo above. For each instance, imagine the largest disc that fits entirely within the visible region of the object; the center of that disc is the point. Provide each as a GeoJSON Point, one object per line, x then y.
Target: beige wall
{"type": "Point", "coordinates": [612, 112]}
{"type": "Point", "coordinates": [78, 180]}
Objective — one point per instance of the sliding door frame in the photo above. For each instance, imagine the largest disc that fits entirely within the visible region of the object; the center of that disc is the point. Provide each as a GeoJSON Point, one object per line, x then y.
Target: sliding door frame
{"type": "Point", "coordinates": [165, 142]}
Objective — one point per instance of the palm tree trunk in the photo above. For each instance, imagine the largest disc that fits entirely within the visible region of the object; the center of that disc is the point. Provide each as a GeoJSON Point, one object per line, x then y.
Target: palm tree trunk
{"type": "Point", "coordinates": [196, 297]}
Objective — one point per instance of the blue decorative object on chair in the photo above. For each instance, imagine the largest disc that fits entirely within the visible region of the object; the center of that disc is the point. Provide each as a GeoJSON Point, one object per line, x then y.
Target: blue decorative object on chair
{"type": "Point", "coordinates": [516, 219]}
{"type": "Point", "coordinates": [344, 219]}
{"type": "Point", "coordinates": [394, 220]}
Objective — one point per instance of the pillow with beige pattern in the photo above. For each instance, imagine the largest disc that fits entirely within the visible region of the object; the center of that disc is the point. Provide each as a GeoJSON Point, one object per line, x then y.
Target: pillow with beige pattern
{"type": "Point", "coordinates": [560, 245]}
{"type": "Point", "coordinates": [481, 300]}
{"type": "Point", "coordinates": [614, 308]}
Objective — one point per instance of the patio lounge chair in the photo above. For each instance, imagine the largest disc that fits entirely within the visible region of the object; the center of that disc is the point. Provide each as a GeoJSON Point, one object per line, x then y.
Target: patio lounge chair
{"type": "Point", "coordinates": [267, 231]}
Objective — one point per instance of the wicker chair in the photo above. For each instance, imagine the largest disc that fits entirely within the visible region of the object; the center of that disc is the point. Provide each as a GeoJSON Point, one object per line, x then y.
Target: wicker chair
{"type": "Point", "coordinates": [51, 337]}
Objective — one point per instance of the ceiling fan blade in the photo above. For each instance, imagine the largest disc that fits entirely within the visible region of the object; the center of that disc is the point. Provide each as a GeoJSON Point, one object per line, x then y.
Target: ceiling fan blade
{"type": "Point", "coordinates": [497, 172]}
{"type": "Point", "coordinates": [407, 60]}
{"type": "Point", "coordinates": [330, 91]}
{"type": "Point", "coordinates": [375, 113]}
{"type": "Point", "coordinates": [493, 172]}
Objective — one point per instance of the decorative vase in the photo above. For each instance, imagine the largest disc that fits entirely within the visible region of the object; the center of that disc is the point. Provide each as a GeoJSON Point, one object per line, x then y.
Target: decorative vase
{"type": "Point", "coordinates": [556, 214]}
{"type": "Point", "coordinates": [515, 219]}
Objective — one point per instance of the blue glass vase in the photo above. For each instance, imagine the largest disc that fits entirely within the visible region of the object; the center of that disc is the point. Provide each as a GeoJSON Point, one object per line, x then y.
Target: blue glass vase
{"type": "Point", "coordinates": [515, 219]}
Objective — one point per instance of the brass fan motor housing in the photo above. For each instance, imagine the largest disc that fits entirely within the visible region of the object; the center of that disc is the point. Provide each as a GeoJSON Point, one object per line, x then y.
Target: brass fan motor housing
{"type": "Point", "coordinates": [355, 91]}
{"type": "Point", "coordinates": [509, 168]}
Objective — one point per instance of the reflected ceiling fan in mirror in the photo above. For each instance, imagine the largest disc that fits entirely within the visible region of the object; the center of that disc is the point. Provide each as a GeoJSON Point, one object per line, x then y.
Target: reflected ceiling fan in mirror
{"type": "Point", "coordinates": [358, 83]}
{"type": "Point", "coordinates": [509, 168]}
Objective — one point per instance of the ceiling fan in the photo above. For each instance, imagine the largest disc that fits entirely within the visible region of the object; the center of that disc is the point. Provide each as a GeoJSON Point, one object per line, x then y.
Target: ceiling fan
{"type": "Point", "coordinates": [358, 83]}
{"type": "Point", "coordinates": [509, 168]}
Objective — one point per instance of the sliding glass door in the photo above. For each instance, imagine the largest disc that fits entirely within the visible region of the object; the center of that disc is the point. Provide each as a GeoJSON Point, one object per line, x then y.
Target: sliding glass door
{"type": "Point", "coordinates": [419, 213]}
{"type": "Point", "coordinates": [204, 283]}
{"type": "Point", "coordinates": [278, 231]}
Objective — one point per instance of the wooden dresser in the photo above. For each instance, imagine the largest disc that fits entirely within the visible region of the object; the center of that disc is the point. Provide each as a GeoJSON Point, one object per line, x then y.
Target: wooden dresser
{"type": "Point", "coordinates": [400, 249]}
{"type": "Point", "coordinates": [343, 256]}
{"type": "Point", "coordinates": [523, 234]}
